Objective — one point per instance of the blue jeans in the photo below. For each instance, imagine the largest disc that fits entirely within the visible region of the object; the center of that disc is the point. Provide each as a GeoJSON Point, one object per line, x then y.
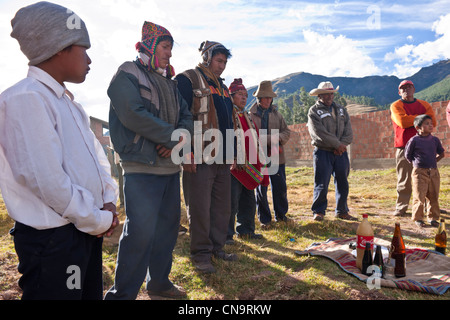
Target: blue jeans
{"type": "Point", "coordinates": [326, 164]}
{"type": "Point", "coordinates": [279, 197]}
{"type": "Point", "coordinates": [243, 209]}
{"type": "Point", "coordinates": [152, 204]}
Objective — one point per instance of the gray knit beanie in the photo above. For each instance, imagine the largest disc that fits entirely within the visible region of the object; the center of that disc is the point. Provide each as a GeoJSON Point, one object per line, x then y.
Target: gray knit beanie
{"type": "Point", "coordinates": [43, 29]}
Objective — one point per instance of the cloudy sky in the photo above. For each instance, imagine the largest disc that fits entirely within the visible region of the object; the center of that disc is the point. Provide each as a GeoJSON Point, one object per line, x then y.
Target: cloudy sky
{"type": "Point", "coordinates": [268, 39]}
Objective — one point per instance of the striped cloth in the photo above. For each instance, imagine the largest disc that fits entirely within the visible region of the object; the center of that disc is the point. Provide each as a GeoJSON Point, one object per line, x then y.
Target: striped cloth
{"type": "Point", "coordinates": [426, 270]}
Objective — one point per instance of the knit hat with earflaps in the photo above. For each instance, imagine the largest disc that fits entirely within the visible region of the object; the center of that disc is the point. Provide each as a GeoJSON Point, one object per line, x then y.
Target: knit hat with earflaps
{"type": "Point", "coordinates": [206, 50]}
{"type": "Point", "coordinates": [43, 29]}
{"type": "Point", "coordinates": [151, 36]}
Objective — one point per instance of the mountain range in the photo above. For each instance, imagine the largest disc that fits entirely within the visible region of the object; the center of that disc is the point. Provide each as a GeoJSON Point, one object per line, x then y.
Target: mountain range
{"type": "Point", "coordinates": [432, 82]}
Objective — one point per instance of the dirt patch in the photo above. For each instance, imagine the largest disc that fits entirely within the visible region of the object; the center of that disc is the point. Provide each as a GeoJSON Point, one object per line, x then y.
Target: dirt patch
{"type": "Point", "coordinates": [355, 294]}
{"type": "Point", "coordinates": [9, 277]}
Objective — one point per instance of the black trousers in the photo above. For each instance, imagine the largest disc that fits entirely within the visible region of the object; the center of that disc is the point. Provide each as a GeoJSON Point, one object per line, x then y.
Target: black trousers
{"type": "Point", "coordinates": [58, 264]}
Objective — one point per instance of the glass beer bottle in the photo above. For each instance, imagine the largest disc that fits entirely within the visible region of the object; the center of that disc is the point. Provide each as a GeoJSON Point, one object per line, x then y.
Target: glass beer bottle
{"type": "Point", "coordinates": [367, 259]}
{"type": "Point", "coordinates": [398, 255]}
{"type": "Point", "coordinates": [378, 260]}
{"type": "Point", "coordinates": [441, 238]}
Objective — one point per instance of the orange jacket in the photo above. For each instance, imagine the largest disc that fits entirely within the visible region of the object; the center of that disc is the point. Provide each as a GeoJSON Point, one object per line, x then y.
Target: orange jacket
{"type": "Point", "coordinates": [403, 114]}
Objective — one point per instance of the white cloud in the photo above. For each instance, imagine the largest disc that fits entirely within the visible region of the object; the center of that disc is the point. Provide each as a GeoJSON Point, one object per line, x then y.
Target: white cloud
{"type": "Point", "coordinates": [337, 56]}
{"type": "Point", "coordinates": [412, 57]}
{"type": "Point", "coordinates": [268, 39]}
{"type": "Point", "coordinates": [318, 54]}
{"type": "Point", "coordinates": [403, 52]}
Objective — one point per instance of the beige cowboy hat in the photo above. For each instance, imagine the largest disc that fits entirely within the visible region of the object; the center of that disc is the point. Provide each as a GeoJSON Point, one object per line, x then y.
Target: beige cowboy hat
{"type": "Point", "coordinates": [265, 90]}
{"type": "Point", "coordinates": [323, 88]}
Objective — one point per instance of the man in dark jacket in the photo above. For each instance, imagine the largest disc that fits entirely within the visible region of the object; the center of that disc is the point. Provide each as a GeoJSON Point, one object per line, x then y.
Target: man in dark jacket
{"type": "Point", "coordinates": [207, 180]}
{"type": "Point", "coordinates": [146, 110]}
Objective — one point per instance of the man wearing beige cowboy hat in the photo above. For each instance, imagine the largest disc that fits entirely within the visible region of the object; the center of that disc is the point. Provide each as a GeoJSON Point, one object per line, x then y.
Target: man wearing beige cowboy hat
{"type": "Point", "coordinates": [266, 117]}
{"type": "Point", "coordinates": [331, 133]}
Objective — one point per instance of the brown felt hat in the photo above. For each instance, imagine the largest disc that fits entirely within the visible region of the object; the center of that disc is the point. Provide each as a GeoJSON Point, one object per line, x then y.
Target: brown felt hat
{"type": "Point", "coordinates": [265, 90]}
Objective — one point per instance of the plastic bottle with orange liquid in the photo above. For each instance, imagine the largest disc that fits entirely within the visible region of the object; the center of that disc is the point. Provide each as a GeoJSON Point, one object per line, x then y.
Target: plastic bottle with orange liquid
{"type": "Point", "coordinates": [364, 234]}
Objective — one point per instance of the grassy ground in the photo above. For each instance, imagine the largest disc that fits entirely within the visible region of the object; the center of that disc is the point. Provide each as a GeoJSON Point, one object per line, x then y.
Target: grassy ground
{"type": "Point", "coordinates": [269, 269]}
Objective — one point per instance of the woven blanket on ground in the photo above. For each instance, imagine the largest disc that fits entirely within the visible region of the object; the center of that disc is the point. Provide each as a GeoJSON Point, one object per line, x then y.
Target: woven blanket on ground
{"type": "Point", "coordinates": [426, 270]}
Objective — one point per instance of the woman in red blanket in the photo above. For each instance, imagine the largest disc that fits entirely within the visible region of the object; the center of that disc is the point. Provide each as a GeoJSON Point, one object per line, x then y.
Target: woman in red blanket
{"type": "Point", "coordinates": [246, 171]}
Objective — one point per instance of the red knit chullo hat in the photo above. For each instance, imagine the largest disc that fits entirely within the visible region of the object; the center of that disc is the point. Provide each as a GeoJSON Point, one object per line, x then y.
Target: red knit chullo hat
{"type": "Point", "coordinates": [236, 85]}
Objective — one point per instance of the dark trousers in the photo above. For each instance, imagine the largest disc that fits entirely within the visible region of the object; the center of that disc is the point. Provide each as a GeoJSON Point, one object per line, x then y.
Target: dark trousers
{"type": "Point", "coordinates": [150, 231]}
{"type": "Point", "coordinates": [327, 164]}
{"type": "Point", "coordinates": [279, 197]}
{"type": "Point", "coordinates": [58, 264]}
{"type": "Point", "coordinates": [208, 200]}
{"type": "Point", "coordinates": [243, 209]}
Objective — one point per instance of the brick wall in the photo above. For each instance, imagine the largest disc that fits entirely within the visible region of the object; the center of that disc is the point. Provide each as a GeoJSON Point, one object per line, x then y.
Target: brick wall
{"type": "Point", "coordinates": [97, 126]}
{"type": "Point", "coordinates": [373, 142]}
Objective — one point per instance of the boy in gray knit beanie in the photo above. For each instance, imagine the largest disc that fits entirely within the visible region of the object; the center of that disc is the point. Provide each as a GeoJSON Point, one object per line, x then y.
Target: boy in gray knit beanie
{"type": "Point", "coordinates": [57, 182]}
{"type": "Point", "coordinates": [43, 29]}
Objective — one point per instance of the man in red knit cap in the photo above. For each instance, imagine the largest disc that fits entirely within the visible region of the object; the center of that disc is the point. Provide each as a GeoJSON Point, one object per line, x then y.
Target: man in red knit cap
{"type": "Point", "coordinates": [403, 113]}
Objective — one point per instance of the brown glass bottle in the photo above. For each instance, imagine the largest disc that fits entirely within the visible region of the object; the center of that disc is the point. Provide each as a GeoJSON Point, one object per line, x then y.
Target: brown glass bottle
{"type": "Point", "coordinates": [441, 238]}
{"type": "Point", "coordinates": [367, 259]}
{"type": "Point", "coordinates": [398, 252]}
{"type": "Point", "coordinates": [378, 260]}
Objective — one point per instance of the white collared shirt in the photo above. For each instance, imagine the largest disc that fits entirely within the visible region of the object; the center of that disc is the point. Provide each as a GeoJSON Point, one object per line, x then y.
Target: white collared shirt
{"type": "Point", "coordinates": [53, 171]}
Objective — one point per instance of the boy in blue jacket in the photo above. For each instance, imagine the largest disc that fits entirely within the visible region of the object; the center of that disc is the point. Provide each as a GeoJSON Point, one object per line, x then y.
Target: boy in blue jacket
{"type": "Point", "coordinates": [424, 151]}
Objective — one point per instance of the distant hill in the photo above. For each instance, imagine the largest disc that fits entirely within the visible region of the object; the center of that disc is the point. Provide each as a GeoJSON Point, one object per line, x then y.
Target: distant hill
{"type": "Point", "coordinates": [382, 88]}
{"type": "Point", "coordinates": [437, 92]}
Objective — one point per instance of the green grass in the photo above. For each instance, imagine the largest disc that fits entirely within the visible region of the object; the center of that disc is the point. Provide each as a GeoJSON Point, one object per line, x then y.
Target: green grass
{"type": "Point", "coordinates": [269, 269]}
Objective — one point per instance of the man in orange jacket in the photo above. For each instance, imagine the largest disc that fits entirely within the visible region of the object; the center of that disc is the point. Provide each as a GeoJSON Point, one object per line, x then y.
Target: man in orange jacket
{"type": "Point", "coordinates": [403, 112]}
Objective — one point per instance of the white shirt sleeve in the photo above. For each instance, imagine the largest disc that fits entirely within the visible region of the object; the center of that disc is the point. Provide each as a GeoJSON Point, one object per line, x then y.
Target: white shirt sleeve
{"type": "Point", "coordinates": [37, 157]}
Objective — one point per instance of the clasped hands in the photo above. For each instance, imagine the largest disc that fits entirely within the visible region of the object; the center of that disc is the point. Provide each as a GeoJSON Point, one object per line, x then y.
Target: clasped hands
{"type": "Point", "coordinates": [340, 150]}
{"type": "Point", "coordinates": [115, 222]}
{"type": "Point", "coordinates": [164, 152]}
